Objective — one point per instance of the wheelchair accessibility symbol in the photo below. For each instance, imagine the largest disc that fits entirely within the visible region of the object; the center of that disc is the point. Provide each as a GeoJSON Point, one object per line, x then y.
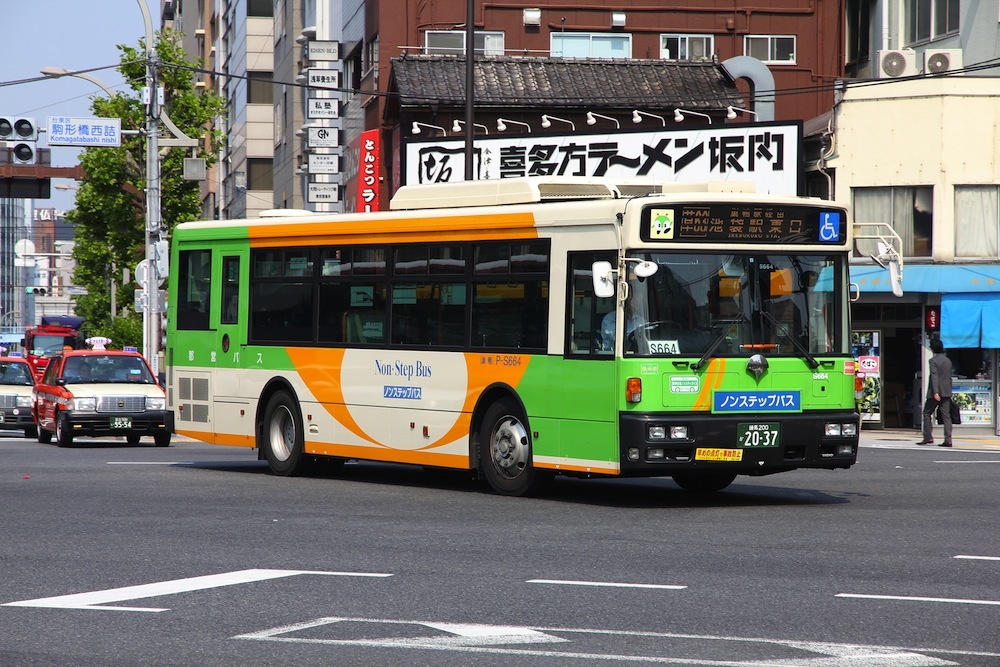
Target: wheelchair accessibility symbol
{"type": "Point", "coordinates": [829, 226]}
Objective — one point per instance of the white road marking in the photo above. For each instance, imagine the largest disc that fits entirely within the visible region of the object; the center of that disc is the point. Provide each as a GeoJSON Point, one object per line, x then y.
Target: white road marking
{"type": "Point", "coordinates": [93, 599]}
{"type": "Point", "coordinates": [983, 461]}
{"type": "Point", "coordinates": [476, 638]}
{"type": "Point", "coordinates": [908, 598]}
{"type": "Point", "coordinates": [563, 582]}
{"type": "Point", "coordinates": [980, 557]}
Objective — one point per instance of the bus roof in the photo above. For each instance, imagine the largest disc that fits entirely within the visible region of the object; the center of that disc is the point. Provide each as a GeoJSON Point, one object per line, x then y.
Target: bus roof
{"type": "Point", "coordinates": [533, 190]}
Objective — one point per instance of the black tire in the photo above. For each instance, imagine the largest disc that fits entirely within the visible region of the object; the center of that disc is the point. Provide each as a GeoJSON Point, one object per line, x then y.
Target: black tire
{"type": "Point", "coordinates": [44, 437]}
{"type": "Point", "coordinates": [64, 435]}
{"type": "Point", "coordinates": [132, 438]}
{"type": "Point", "coordinates": [31, 432]}
{"type": "Point", "coordinates": [162, 439]}
{"type": "Point", "coordinates": [505, 452]}
{"type": "Point", "coordinates": [704, 482]}
{"type": "Point", "coordinates": [282, 439]}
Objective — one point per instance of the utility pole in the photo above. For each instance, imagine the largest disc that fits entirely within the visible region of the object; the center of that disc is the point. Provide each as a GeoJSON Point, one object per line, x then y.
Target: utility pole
{"type": "Point", "coordinates": [150, 314]}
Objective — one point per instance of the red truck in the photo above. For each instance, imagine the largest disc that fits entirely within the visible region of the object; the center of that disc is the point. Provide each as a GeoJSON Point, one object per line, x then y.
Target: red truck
{"type": "Point", "coordinates": [55, 334]}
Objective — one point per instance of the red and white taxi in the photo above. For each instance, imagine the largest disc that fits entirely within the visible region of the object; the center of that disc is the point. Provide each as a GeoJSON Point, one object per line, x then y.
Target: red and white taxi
{"type": "Point", "coordinates": [100, 392]}
{"type": "Point", "coordinates": [16, 386]}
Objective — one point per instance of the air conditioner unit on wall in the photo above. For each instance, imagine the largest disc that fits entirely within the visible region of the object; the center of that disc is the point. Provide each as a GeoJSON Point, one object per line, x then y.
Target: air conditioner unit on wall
{"type": "Point", "coordinates": [939, 61]}
{"type": "Point", "coordinates": [896, 63]}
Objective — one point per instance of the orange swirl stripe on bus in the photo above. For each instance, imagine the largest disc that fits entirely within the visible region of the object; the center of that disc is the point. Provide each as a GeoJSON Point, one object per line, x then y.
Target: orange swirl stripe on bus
{"type": "Point", "coordinates": [381, 230]}
{"type": "Point", "coordinates": [714, 375]}
{"type": "Point", "coordinates": [481, 375]}
{"type": "Point", "coordinates": [320, 369]}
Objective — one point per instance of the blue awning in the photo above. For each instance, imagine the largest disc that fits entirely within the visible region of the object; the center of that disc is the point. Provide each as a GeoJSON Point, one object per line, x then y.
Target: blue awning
{"type": "Point", "coordinates": [933, 278]}
{"type": "Point", "coordinates": [970, 320]}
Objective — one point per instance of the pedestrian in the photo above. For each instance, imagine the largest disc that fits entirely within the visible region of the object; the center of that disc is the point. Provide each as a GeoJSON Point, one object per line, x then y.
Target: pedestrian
{"type": "Point", "coordinates": [938, 395]}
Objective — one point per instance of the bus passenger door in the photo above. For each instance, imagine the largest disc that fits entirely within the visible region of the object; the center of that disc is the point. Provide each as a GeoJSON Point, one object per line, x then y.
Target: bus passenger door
{"type": "Point", "coordinates": [232, 415]}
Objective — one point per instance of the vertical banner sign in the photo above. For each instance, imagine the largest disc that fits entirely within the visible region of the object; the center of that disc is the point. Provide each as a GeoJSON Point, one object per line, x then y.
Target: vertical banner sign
{"type": "Point", "coordinates": [368, 172]}
{"type": "Point", "coordinates": [867, 350]}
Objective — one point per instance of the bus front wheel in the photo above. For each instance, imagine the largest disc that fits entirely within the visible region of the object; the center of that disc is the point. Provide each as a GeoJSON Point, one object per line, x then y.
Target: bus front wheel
{"type": "Point", "coordinates": [703, 482]}
{"type": "Point", "coordinates": [282, 437]}
{"type": "Point", "coordinates": [505, 452]}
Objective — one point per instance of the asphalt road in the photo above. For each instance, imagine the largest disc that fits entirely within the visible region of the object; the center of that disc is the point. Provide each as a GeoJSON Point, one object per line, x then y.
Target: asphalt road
{"type": "Point", "coordinates": [196, 555]}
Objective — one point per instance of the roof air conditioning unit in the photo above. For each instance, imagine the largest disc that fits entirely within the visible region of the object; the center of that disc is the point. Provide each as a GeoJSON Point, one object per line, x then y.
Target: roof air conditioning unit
{"type": "Point", "coordinates": [896, 63]}
{"type": "Point", "coordinates": [939, 61]}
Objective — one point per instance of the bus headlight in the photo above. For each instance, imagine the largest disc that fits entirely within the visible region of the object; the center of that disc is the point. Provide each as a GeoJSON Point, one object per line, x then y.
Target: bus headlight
{"type": "Point", "coordinates": [84, 404]}
{"type": "Point", "coordinates": [678, 432]}
{"type": "Point", "coordinates": [657, 433]}
{"type": "Point", "coordinates": [153, 403]}
{"type": "Point", "coordinates": [848, 430]}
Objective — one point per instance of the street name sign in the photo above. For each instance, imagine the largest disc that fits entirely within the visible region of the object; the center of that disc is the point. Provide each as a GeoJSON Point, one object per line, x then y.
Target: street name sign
{"type": "Point", "coordinates": [66, 131]}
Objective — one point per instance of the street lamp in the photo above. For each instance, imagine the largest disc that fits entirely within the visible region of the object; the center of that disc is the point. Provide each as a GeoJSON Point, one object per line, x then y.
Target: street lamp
{"type": "Point", "coordinates": [502, 124]}
{"type": "Point", "coordinates": [637, 117]}
{"type": "Point", "coordinates": [731, 112]}
{"type": "Point", "coordinates": [415, 128]}
{"type": "Point", "coordinates": [680, 113]}
{"type": "Point", "coordinates": [457, 126]}
{"type": "Point", "coordinates": [592, 119]}
{"type": "Point", "coordinates": [547, 121]}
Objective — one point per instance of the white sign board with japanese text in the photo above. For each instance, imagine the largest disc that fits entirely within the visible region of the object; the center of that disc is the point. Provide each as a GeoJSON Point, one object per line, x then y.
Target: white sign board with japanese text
{"type": "Point", "coordinates": [324, 78]}
{"type": "Point", "coordinates": [324, 164]}
{"type": "Point", "coordinates": [65, 131]}
{"type": "Point", "coordinates": [766, 154]}
{"type": "Point", "coordinates": [323, 193]}
{"type": "Point", "coordinates": [323, 137]}
{"type": "Point", "coordinates": [323, 108]}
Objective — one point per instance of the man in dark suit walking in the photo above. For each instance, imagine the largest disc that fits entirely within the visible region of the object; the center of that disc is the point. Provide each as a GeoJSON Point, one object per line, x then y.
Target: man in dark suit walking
{"type": "Point", "coordinates": [938, 395]}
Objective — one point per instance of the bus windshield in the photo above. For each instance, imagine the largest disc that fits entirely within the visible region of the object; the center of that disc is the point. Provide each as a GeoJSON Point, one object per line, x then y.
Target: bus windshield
{"type": "Point", "coordinates": [738, 305]}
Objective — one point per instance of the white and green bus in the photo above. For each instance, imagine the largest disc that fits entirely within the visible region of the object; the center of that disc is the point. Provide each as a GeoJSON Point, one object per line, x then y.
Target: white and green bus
{"type": "Point", "coordinates": [524, 328]}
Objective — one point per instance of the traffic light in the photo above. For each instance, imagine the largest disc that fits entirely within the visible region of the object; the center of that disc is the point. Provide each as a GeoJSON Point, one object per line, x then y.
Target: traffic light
{"type": "Point", "coordinates": [21, 135]}
{"type": "Point", "coordinates": [39, 291]}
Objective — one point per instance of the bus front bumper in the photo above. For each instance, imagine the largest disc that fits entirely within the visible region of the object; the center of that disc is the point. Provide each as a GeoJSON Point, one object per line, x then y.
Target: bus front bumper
{"type": "Point", "coordinates": [743, 444]}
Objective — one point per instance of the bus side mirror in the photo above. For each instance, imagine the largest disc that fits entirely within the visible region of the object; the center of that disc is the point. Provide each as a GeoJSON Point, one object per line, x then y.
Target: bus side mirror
{"type": "Point", "coordinates": [604, 279]}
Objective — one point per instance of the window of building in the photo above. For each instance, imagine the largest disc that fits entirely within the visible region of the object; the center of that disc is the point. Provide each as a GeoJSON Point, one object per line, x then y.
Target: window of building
{"type": "Point", "coordinates": [977, 215]}
{"type": "Point", "coordinates": [910, 211]}
{"type": "Point", "coordinates": [259, 88]}
{"type": "Point", "coordinates": [927, 19]}
{"type": "Point", "coordinates": [590, 45]}
{"type": "Point", "coordinates": [260, 173]}
{"type": "Point", "coordinates": [453, 42]}
{"type": "Point", "coordinates": [686, 47]}
{"type": "Point", "coordinates": [261, 8]}
{"type": "Point", "coordinates": [770, 48]}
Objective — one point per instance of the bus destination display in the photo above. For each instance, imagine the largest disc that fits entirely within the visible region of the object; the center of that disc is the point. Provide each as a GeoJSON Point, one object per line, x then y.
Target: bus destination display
{"type": "Point", "coordinates": [743, 223]}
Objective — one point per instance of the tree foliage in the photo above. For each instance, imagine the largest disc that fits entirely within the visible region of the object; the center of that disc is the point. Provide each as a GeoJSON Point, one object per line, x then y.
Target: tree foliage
{"type": "Point", "coordinates": [109, 217]}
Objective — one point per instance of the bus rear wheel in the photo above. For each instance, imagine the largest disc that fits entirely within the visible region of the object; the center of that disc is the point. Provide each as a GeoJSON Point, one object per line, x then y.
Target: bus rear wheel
{"type": "Point", "coordinates": [703, 482]}
{"type": "Point", "coordinates": [282, 439]}
{"type": "Point", "coordinates": [505, 452]}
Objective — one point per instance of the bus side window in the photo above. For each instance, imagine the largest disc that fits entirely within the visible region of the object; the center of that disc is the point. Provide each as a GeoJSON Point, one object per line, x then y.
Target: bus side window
{"type": "Point", "coordinates": [586, 311]}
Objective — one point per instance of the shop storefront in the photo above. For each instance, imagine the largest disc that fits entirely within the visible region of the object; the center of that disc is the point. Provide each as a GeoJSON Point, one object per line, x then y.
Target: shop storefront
{"type": "Point", "coordinates": [958, 303]}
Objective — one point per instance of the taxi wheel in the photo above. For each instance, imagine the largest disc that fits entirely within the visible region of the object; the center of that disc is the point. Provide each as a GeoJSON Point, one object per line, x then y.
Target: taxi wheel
{"type": "Point", "coordinates": [132, 438]}
{"type": "Point", "coordinates": [31, 432]}
{"type": "Point", "coordinates": [64, 436]}
{"type": "Point", "coordinates": [44, 437]}
{"type": "Point", "coordinates": [282, 439]}
{"type": "Point", "coordinates": [162, 439]}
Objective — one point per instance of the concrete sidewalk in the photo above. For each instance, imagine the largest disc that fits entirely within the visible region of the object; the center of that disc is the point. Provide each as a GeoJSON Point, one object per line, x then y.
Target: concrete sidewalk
{"type": "Point", "coordinates": [977, 438]}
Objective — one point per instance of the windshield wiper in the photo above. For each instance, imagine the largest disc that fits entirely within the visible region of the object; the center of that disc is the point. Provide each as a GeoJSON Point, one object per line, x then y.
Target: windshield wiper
{"type": "Point", "coordinates": [783, 331]}
{"type": "Point", "coordinates": [717, 342]}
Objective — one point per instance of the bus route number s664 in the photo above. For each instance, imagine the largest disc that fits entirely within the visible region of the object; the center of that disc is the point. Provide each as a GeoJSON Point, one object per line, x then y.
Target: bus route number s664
{"type": "Point", "coordinates": [664, 347]}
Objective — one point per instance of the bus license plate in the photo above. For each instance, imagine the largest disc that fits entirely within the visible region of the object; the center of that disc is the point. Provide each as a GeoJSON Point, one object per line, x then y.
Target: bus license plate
{"type": "Point", "coordinates": [121, 422]}
{"type": "Point", "coordinates": [750, 436]}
